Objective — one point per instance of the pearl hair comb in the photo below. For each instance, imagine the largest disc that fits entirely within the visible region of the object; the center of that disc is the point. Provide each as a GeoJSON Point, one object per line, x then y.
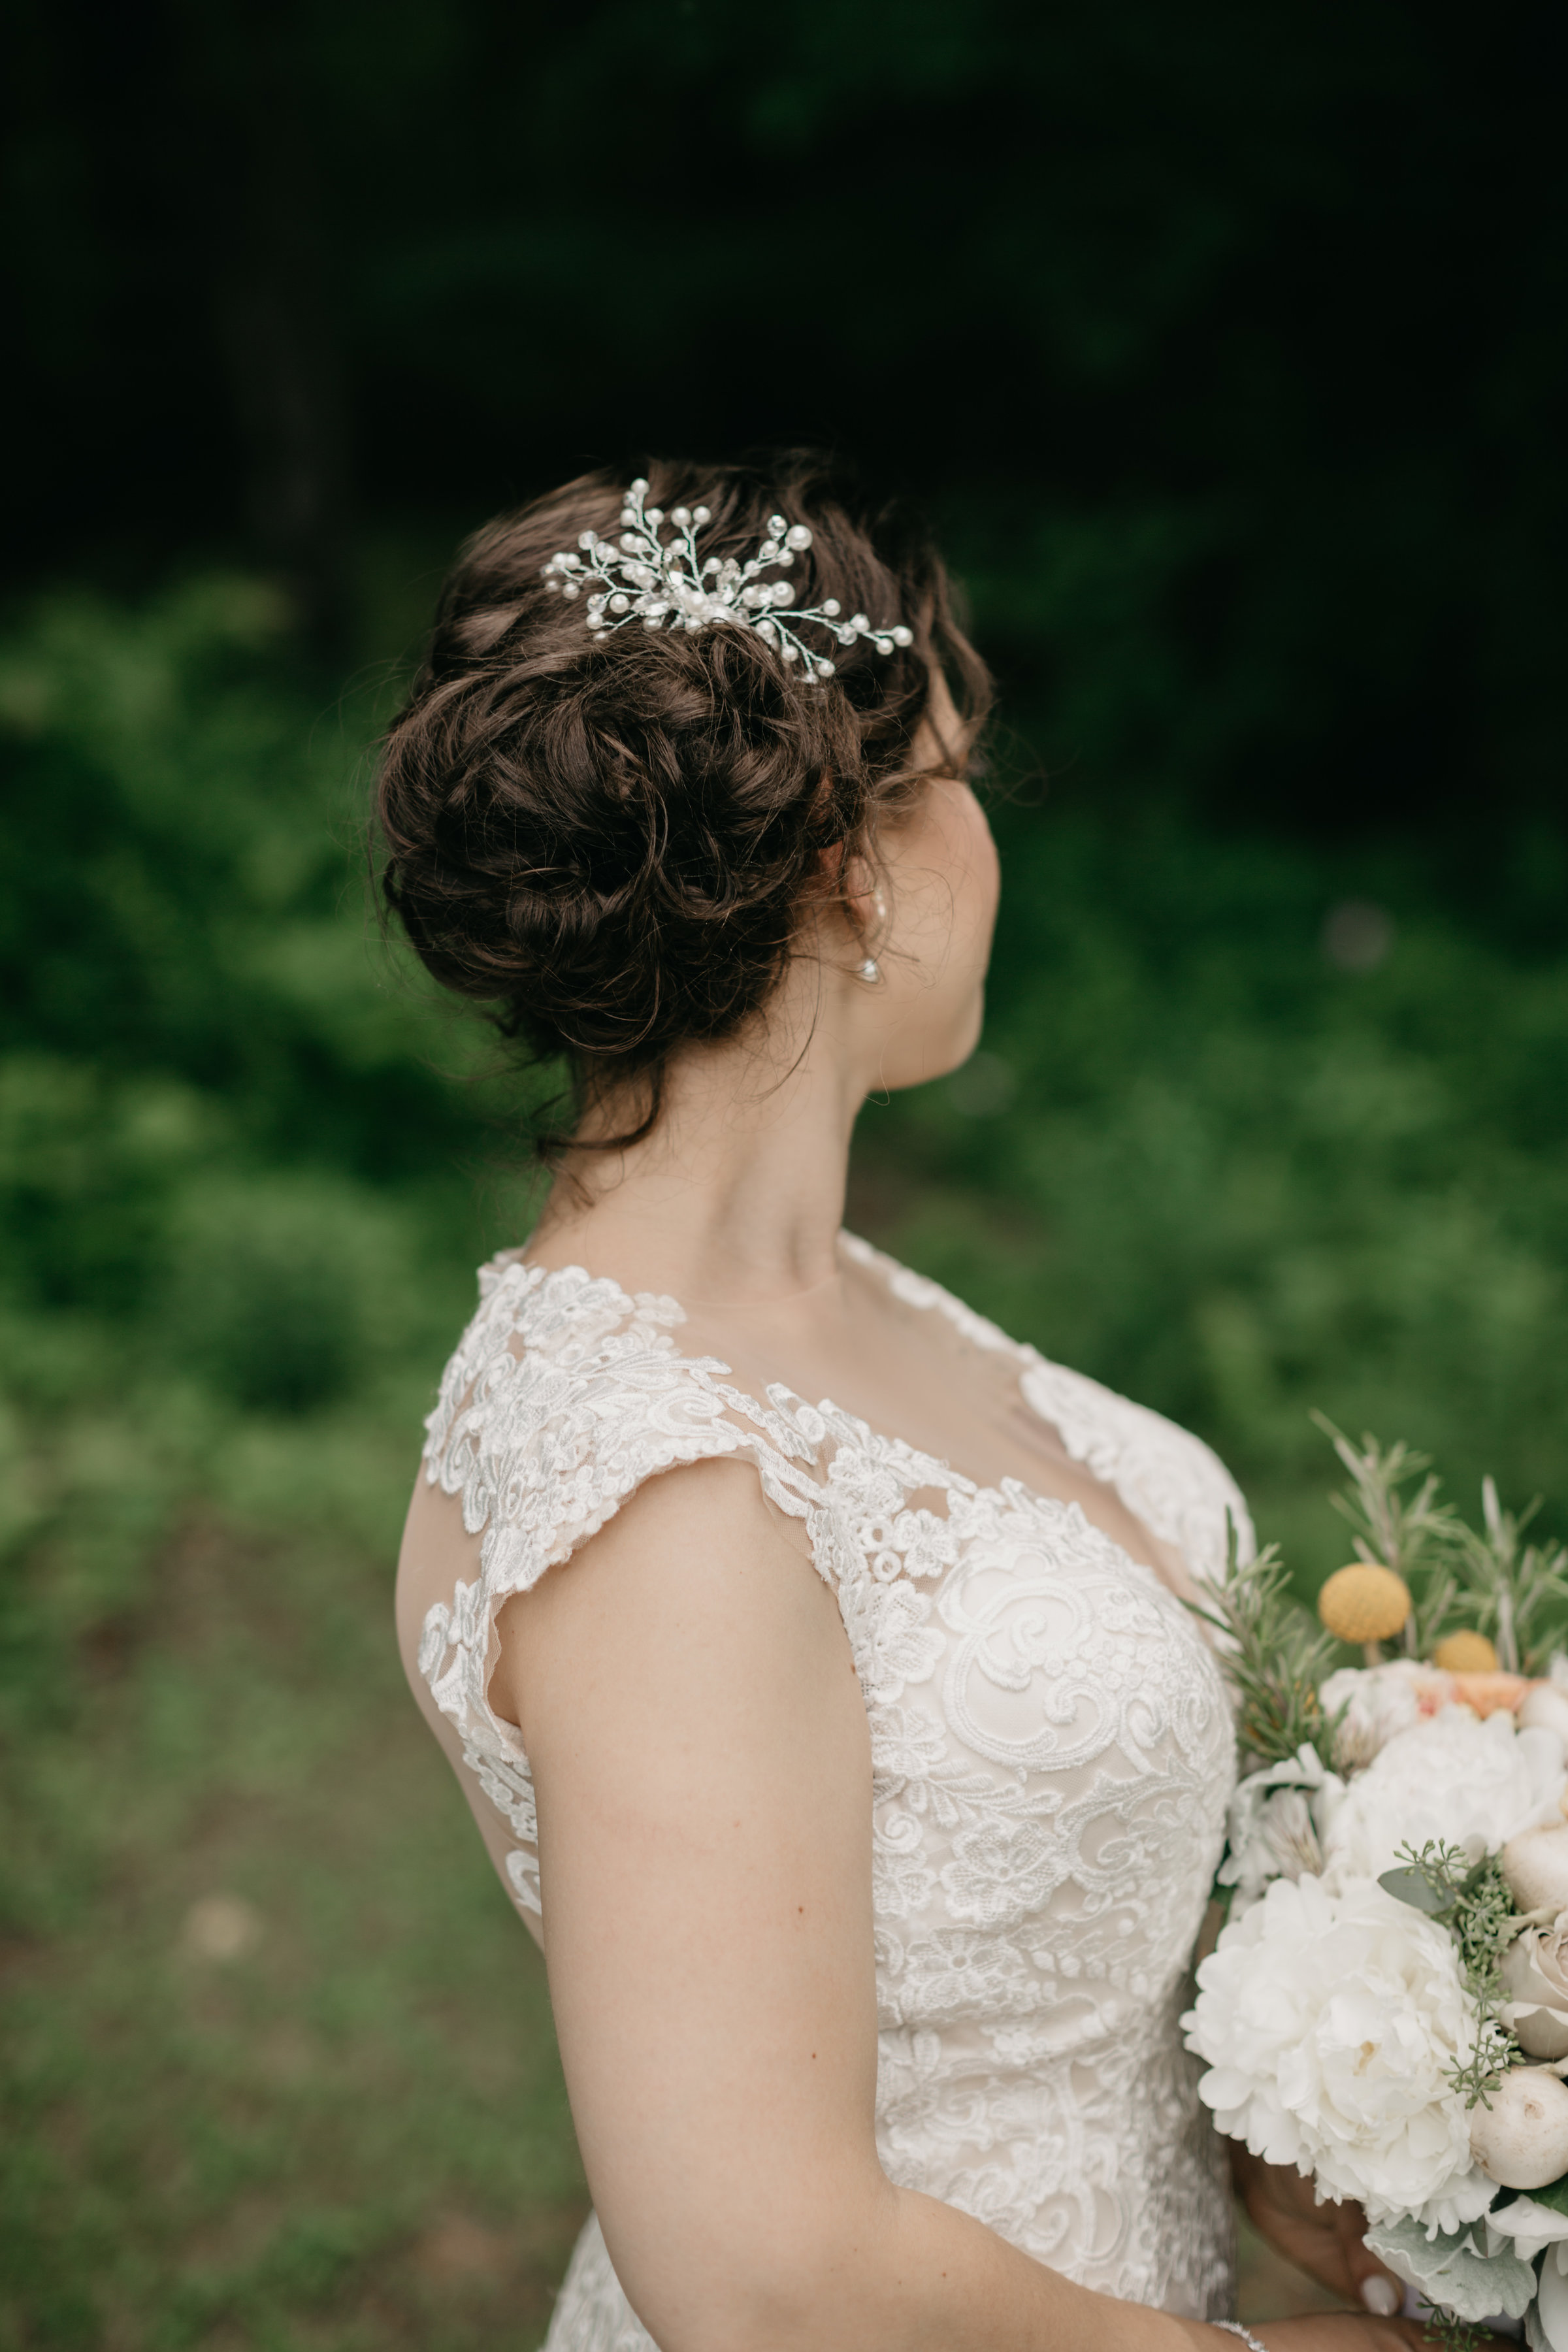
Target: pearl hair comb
{"type": "Point", "coordinates": [639, 577]}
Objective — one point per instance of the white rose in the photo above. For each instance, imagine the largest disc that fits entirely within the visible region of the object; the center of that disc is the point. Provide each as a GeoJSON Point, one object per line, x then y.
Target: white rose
{"type": "Point", "coordinates": [1328, 2021]}
{"type": "Point", "coordinates": [1535, 1977]}
{"type": "Point", "coordinates": [1473, 1783]}
{"type": "Point", "coordinates": [1279, 1818]}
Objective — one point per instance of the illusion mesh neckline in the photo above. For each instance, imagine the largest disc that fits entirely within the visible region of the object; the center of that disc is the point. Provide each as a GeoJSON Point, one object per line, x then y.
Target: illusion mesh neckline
{"type": "Point", "coordinates": [925, 1296]}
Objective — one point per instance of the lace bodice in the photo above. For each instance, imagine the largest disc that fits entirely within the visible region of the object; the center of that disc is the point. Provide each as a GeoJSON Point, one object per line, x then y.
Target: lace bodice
{"type": "Point", "coordinates": [1051, 1747]}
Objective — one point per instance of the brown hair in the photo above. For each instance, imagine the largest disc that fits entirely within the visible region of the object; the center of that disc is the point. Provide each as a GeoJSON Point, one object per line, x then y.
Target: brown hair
{"type": "Point", "coordinates": [608, 840]}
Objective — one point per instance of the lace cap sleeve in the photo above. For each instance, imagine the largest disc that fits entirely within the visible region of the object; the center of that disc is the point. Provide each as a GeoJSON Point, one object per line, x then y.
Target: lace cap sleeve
{"type": "Point", "coordinates": [564, 1394]}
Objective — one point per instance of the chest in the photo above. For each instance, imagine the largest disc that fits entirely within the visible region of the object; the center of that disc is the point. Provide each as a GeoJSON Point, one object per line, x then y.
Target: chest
{"type": "Point", "coordinates": [1051, 1744]}
{"type": "Point", "coordinates": [951, 1401]}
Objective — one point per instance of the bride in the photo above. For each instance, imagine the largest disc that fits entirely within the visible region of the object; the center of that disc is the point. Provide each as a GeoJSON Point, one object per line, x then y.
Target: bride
{"type": "Point", "coordinates": [813, 1655]}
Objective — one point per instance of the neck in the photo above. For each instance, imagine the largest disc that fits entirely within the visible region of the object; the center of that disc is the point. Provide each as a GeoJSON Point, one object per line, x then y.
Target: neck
{"type": "Point", "coordinates": [737, 1195]}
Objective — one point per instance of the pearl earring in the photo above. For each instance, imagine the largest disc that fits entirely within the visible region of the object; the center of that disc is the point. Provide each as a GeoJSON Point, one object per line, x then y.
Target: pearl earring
{"type": "Point", "coordinates": [871, 971]}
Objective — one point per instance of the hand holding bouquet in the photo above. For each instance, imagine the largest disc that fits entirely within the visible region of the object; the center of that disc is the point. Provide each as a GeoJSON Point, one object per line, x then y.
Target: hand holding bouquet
{"type": "Point", "coordinates": [1386, 2008]}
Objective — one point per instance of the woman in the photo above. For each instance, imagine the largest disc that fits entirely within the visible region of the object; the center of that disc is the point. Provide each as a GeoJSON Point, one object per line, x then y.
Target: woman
{"type": "Point", "coordinates": [854, 1762]}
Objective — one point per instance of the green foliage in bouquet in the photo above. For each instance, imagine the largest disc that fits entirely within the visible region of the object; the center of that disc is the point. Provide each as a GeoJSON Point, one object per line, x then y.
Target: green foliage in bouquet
{"type": "Point", "coordinates": [1415, 1535]}
{"type": "Point", "coordinates": [1475, 1905]}
{"type": "Point", "coordinates": [1554, 2196]}
{"type": "Point", "coordinates": [1274, 1656]}
{"type": "Point", "coordinates": [1464, 2286]}
{"type": "Point", "coordinates": [1514, 1592]}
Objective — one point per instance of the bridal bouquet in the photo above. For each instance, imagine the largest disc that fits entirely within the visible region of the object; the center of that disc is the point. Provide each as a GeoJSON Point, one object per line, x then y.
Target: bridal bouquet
{"type": "Point", "coordinates": [1386, 2007]}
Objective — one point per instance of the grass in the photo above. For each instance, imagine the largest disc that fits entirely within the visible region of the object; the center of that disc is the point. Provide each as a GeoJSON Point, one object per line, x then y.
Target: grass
{"type": "Point", "coordinates": [276, 2061]}
{"type": "Point", "coordinates": [279, 2064]}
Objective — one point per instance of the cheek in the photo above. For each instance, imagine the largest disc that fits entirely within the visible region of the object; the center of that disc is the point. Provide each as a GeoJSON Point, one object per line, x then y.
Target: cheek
{"type": "Point", "coordinates": [946, 884]}
{"type": "Point", "coordinates": [977, 874]}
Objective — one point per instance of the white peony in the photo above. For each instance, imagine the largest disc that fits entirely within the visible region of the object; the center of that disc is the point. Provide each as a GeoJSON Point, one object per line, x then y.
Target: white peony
{"type": "Point", "coordinates": [1278, 1820]}
{"type": "Point", "coordinates": [1328, 2021]}
{"type": "Point", "coordinates": [1473, 1783]}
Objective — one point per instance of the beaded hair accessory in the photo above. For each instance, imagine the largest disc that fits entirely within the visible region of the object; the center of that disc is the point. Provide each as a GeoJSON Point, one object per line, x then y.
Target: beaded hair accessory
{"type": "Point", "coordinates": [639, 577]}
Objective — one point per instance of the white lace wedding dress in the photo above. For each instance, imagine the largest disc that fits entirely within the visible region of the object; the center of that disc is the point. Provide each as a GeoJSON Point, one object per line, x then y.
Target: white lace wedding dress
{"type": "Point", "coordinates": [1050, 1736]}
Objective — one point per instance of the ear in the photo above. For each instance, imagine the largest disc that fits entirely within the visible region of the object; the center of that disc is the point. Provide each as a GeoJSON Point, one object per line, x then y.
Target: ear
{"type": "Point", "coordinates": [848, 875]}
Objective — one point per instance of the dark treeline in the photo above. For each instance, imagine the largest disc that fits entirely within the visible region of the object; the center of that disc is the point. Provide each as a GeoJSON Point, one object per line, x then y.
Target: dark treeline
{"type": "Point", "coordinates": [1225, 339]}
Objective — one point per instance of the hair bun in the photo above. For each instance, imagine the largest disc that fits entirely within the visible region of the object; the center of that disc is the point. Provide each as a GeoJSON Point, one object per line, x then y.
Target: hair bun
{"type": "Point", "coordinates": [607, 841]}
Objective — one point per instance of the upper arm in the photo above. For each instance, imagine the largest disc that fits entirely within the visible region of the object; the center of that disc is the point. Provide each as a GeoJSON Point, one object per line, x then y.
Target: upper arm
{"type": "Point", "coordinates": [702, 1767]}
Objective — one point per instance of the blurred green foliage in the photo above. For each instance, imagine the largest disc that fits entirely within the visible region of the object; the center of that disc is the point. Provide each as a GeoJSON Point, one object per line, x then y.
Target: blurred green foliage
{"type": "Point", "coordinates": [1243, 1182]}
{"type": "Point", "coordinates": [238, 1235]}
{"type": "Point", "coordinates": [1251, 1131]}
{"type": "Point", "coordinates": [1226, 348]}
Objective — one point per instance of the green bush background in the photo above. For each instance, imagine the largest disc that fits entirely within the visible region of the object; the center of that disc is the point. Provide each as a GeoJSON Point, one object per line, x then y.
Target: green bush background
{"type": "Point", "coordinates": [1225, 345]}
{"type": "Point", "coordinates": [248, 1166]}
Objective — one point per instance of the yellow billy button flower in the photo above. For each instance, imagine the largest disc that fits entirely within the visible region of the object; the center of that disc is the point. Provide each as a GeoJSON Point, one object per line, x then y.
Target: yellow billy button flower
{"type": "Point", "coordinates": [1465, 1654]}
{"type": "Point", "coordinates": [1364, 1603]}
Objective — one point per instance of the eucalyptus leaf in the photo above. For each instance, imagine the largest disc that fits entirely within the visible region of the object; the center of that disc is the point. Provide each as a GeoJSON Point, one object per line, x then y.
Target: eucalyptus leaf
{"type": "Point", "coordinates": [1448, 2270]}
{"type": "Point", "coordinates": [1413, 1886]}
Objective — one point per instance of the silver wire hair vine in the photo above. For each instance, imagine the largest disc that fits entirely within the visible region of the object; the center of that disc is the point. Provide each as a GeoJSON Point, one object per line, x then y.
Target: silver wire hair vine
{"type": "Point", "coordinates": [664, 583]}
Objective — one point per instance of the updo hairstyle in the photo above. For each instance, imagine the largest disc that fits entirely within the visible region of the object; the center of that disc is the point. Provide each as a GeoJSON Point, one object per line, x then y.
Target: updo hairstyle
{"type": "Point", "coordinates": [610, 841]}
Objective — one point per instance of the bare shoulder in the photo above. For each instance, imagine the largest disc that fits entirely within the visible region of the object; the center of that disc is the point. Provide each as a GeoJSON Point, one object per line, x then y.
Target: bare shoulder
{"type": "Point", "coordinates": [697, 1594]}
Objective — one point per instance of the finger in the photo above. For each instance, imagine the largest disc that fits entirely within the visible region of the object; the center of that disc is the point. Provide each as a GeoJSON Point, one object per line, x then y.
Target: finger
{"type": "Point", "coordinates": [1381, 2291]}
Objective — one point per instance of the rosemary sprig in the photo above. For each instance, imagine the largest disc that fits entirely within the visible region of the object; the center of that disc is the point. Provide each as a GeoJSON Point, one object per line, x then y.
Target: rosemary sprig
{"type": "Point", "coordinates": [1273, 1655]}
{"type": "Point", "coordinates": [1413, 1534]}
{"type": "Point", "coordinates": [1510, 1587]}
